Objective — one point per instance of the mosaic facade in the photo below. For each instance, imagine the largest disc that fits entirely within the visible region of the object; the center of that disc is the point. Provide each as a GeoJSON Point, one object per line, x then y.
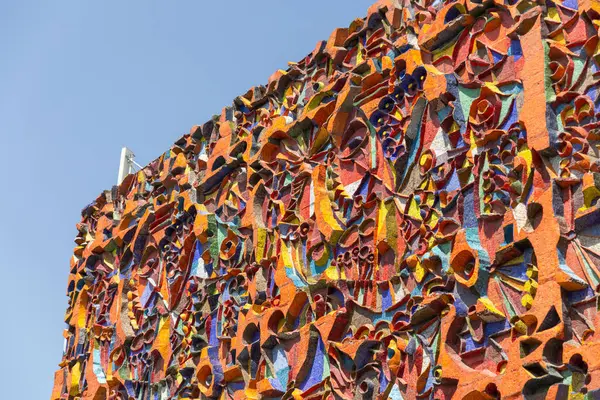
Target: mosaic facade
{"type": "Point", "coordinates": [409, 212]}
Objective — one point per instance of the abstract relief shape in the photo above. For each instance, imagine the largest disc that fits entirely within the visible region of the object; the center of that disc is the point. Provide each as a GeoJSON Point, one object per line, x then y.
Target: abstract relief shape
{"type": "Point", "coordinates": [411, 211]}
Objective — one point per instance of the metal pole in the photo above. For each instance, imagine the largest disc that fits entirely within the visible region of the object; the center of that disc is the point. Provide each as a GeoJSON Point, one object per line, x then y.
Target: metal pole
{"type": "Point", "coordinates": [125, 164]}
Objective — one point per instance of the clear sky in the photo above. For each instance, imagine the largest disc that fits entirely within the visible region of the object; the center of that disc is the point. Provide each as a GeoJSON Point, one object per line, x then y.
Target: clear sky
{"type": "Point", "coordinates": [79, 79]}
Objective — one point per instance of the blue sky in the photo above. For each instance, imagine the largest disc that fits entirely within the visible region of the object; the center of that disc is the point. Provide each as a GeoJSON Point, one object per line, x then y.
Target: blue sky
{"type": "Point", "coordinates": [79, 80]}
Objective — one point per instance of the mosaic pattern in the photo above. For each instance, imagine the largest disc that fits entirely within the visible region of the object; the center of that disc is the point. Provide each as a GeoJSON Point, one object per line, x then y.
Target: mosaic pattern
{"type": "Point", "coordinates": [411, 211]}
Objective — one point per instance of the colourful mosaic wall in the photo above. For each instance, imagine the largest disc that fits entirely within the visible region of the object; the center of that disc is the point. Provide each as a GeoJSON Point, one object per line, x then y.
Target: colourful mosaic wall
{"type": "Point", "coordinates": [411, 211]}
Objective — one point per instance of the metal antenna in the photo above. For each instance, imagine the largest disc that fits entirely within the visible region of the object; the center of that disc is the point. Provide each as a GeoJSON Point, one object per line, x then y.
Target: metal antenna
{"type": "Point", "coordinates": [127, 164]}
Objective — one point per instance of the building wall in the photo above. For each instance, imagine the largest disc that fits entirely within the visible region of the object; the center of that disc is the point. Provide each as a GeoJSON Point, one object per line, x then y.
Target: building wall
{"type": "Point", "coordinates": [408, 212]}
